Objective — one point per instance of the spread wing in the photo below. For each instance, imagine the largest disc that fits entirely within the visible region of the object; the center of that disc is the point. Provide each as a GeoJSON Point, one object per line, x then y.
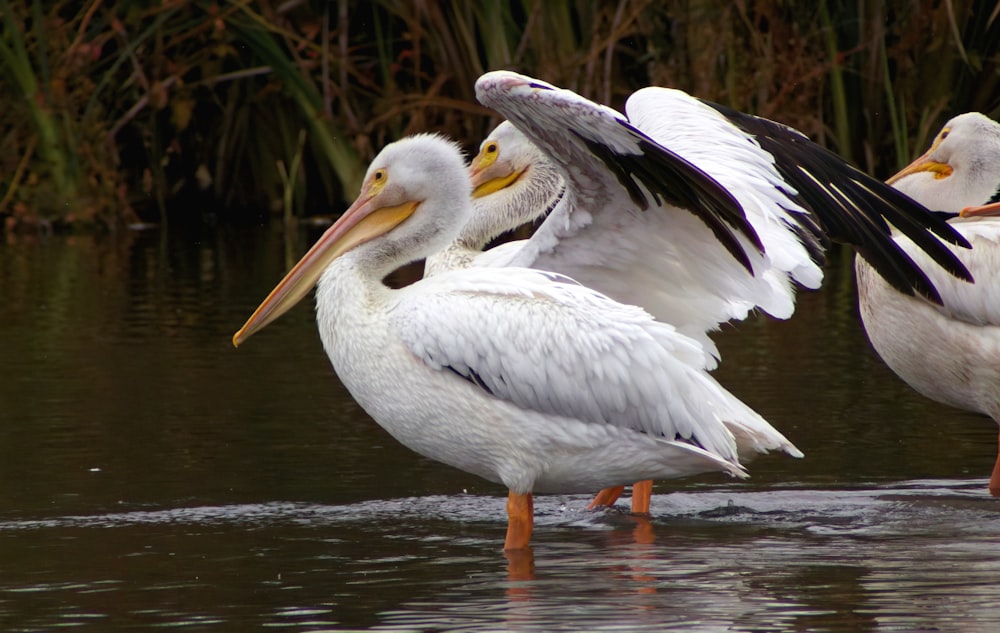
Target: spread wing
{"type": "Point", "coordinates": [643, 220]}
{"type": "Point", "coordinates": [792, 238]}
{"type": "Point", "coordinates": [637, 220]}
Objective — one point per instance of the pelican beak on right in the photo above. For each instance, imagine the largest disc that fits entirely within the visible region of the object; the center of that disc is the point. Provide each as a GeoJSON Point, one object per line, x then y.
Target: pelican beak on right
{"type": "Point", "coordinates": [981, 211]}
{"type": "Point", "coordinates": [926, 163]}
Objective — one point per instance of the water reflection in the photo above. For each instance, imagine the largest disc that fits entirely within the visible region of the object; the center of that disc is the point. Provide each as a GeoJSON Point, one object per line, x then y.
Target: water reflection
{"type": "Point", "coordinates": [150, 475]}
{"type": "Point", "coordinates": [795, 558]}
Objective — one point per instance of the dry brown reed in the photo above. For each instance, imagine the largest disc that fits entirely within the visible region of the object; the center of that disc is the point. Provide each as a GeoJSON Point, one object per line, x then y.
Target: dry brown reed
{"type": "Point", "coordinates": [115, 110]}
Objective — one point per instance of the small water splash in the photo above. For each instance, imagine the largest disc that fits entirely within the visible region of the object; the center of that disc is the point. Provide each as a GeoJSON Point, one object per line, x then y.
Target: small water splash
{"type": "Point", "coordinates": [904, 507]}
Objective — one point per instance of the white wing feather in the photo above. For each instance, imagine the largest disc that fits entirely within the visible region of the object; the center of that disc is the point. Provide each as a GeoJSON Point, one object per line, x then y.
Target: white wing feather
{"type": "Point", "coordinates": [563, 349]}
{"type": "Point", "coordinates": [704, 137]}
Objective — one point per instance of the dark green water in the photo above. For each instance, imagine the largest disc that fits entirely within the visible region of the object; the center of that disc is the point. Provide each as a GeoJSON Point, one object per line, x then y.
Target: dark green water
{"type": "Point", "coordinates": [153, 476]}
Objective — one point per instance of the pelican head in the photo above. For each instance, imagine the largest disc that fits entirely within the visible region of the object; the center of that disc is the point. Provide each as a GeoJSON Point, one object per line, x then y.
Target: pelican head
{"type": "Point", "coordinates": [961, 169]}
{"type": "Point", "coordinates": [513, 183]}
{"type": "Point", "coordinates": [414, 199]}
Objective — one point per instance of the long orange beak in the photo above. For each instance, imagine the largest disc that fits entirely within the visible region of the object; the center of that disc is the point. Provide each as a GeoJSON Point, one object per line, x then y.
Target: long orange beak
{"type": "Point", "coordinates": [924, 163]}
{"type": "Point", "coordinates": [363, 221]}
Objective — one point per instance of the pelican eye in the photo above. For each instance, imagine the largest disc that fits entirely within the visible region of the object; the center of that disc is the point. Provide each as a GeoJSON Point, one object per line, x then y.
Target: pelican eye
{"type": "Point", "coordinates": [378, 180]}
{"type": "Point", "coordinates": [492, 148]}
{"type": "Point", "coordinates": [944, 133]}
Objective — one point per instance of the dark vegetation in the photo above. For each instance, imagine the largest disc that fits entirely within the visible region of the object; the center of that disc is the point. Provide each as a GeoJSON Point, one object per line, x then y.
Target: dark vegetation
{"type": "Point", "coordinates": [118, 112]}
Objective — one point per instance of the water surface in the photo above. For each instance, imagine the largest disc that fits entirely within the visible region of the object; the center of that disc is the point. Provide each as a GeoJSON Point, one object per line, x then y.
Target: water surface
{"type": "Point", "coordinates": [153, 476]}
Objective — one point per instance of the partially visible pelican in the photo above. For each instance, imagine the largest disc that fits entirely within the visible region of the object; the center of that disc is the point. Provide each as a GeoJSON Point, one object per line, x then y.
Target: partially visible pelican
{"type": "Point", "coordinates": [633, 214]}
{"type": "Point", "coordinates": [520, 376]}
{"type": "Point", "coordinates": [949, 352]}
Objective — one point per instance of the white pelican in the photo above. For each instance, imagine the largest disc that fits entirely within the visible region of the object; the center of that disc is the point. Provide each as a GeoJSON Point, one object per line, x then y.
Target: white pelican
{"type": "Point", "coordinates": [636, 211]}
{"type": "Point", "coordinates": [520, 376]}
{"type": "Point", "coordinates": [950, 352]}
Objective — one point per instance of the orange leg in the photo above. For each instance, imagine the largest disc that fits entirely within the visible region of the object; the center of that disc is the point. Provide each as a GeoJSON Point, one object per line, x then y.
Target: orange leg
{"type": "Point", "coordinates": [520, 520]}
{"type": "Point", "coordinates": [606, 497]}
{"type": "Point", "coordinates": [641, 492]}
{"type": "Point", "coordinates": [995, 477]}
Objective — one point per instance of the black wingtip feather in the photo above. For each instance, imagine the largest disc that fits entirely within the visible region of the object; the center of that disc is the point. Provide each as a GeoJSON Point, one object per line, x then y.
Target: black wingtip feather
{"type": "Point", "coordinates": [672, 179]}
{"type": "Point", "coordinates": [857, 209]}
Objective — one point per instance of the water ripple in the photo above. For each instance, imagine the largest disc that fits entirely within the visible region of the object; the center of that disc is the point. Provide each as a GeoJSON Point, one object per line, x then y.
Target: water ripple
{"type": "Point", "coordinates": [903, 508]}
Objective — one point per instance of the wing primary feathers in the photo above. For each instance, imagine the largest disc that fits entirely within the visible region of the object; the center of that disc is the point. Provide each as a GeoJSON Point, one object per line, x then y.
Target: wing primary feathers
{"type": "Point", "coordinates": [855, 208]}
{"type": "Point", "coordinates": [670, 178]}
{"type": "Point", "coordinates": [618, 168]}
{"type": "Point", "coordinates": [809, 233]}
{"type": "Point", "coordinates": [946, 215]}
{"type": "Point", "coordinates": [915, 224]}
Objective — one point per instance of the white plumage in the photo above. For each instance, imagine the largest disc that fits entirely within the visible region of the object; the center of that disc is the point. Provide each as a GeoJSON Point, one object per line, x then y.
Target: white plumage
{"type": "Point", "coordinates": [638, 245]}
{"type": "Point", "coordinates": [522, 377]}
{"type": "Point", "coordinates": [678, 208]}
{"type": "Point", "coordinates": [948, 352]}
